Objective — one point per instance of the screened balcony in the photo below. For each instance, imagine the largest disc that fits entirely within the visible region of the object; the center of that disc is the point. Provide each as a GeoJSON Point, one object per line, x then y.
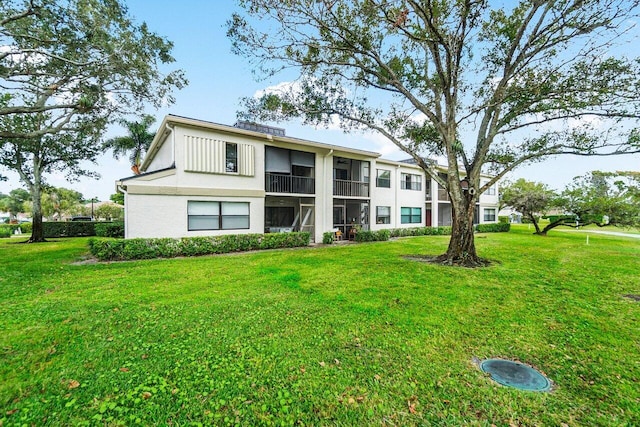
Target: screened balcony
{"type": "Point", "coordinates": [350, 177]}
{"type": "Point", "coordinates": [289, 171]}
{"type": "Point", "coordinates": [281, 183]}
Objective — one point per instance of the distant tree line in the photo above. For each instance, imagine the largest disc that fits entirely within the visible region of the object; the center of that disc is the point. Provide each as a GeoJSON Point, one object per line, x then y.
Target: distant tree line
{"type": "Point", "coordinates": [600, 198]}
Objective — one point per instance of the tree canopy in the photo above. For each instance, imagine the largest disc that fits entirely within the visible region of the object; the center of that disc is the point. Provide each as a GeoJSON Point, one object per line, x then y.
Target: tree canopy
{"type": "Point", "coordinates": [486, 85]}
{"type": "Point", "coordinates": [59, 202]}
{"type": "Point", "coordinates": [67, 69]}
{"type": "Point", "coordinates": [14, 202]}
{"type": "Point", "coordinates": [531, 199]}
{"type": "Point", "coordinates": [136, 143]}
{"type": "Point", "coordinates": [600, 198]}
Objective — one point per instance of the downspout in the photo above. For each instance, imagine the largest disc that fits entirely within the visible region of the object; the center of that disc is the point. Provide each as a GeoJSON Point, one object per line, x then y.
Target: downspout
{"type": "Point", "coordinates": [122, 189]}
{"type": "Point", "coordinates": [396, 194]}
{"type": "Point", "coordinates": [324, 182]}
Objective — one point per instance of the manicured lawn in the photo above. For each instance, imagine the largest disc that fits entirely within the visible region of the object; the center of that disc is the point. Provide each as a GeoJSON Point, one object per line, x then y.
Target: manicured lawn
{"type": "Point", "coordinates": [337, 335]}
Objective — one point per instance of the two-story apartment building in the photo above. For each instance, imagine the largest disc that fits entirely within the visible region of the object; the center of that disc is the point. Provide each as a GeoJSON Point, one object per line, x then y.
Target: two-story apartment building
{"type": "Point", "coordinates": [202, 178]}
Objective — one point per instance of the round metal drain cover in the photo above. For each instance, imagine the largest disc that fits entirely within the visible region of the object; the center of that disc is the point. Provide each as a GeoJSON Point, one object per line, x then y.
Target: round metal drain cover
{"type": "Point", "coordinates": [514, 374]}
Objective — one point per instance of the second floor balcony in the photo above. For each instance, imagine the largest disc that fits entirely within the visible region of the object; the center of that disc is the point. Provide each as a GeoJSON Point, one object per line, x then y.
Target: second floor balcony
{"type": "Point", "coordinates": [348, 188]}
{"type": "Point", "coordinates": [282, 183]}
{"type": "Point", "coordinates": [443, 196]}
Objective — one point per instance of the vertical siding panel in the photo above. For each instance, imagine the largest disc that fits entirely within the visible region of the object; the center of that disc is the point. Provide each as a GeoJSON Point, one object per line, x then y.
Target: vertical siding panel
{"type": "Point", "coordinates": [247, 162]}
{"type": "Point", "coordinates": [209, 155]}
{"type": "Point", "coordinates": [198, 154]}
{"type": "Point", "coordinates": [218, 156]}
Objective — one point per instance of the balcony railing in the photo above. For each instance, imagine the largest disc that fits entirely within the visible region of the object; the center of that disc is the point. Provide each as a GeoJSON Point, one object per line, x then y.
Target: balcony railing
{"type": "Point", "coordinates": [342, 187]}
{"type": "Point", "coordinates": [275, 183]}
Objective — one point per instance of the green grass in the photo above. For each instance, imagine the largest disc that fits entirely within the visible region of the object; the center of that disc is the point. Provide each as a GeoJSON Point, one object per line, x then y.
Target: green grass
{"type": "Point", "coordinates": [337, 335]}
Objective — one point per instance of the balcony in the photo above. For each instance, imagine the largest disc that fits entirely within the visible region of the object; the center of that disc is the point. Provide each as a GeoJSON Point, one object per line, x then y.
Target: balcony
{"type": "Point", "coordinates": [347, 188]}
{"type": "Point", "coordinates": [279, 183]}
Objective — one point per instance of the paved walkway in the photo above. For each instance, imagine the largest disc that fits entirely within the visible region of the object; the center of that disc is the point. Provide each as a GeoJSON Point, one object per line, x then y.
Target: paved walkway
{"type": "Point", "coordinates": [608, 233]}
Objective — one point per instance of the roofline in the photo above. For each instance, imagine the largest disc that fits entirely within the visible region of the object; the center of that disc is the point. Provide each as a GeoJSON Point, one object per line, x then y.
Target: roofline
{"type": "Point", "coordinates": [171, 119]}
{"type": "Point", "coordinates": [439, 166]}
{"type": "Point", "coordinates": [173, 166]}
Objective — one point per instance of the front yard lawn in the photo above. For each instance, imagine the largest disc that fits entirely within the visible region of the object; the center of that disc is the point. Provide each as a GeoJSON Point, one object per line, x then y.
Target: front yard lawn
{"type": "Point", "coordinates": [336, 335]}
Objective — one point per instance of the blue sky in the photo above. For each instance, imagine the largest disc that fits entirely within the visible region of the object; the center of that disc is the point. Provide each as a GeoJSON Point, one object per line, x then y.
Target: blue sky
{"type": "Point", "coordinates": [218, 79]}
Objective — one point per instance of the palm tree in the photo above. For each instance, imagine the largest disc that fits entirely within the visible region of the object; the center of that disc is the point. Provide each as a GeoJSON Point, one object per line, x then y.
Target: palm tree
{"type": "Point", "coordinates": [135, 144]}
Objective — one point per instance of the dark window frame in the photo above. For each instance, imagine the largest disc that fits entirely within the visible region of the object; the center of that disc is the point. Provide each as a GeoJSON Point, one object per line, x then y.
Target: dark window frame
{"type": "Point", "coordinates": [413, 217]}
{"type": "Point", "coordinates": [231, 157]}
{"type": "Point", "coordinates": [220, 217]}
{"type": "Point", "coordinates": [410, 181]}
{"type": "Point", "coordinates": [383, 182]}
{"type": "Point", "coordinates": [383, 217]}
{"type": "Point", "coordinates": [487, 216]}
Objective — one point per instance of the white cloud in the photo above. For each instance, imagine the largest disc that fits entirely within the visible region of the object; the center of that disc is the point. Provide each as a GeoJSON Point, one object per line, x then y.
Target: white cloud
{"type": "Point", "coordinates": [380, 144]}
{"type": "Point", "coordinates": [278, 89]}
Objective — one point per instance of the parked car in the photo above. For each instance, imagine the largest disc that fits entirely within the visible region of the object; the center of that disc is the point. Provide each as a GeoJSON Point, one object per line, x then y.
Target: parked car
{"type": "Point", "coordinates": [81, 218]}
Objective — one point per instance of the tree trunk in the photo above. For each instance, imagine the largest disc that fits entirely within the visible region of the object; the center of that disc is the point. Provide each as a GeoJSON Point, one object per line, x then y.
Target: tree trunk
{"type": "Point", "coordinates": [37, 232]}
{"type": "Point", "coordinates": [532, 218]}
{"type": "Point", "coordinates": [462, 248]}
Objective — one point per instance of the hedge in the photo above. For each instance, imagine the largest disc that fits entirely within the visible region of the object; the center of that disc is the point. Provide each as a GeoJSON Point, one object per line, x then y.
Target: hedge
{"type": "Point", "coordinates": [372, 236]}
{"type": "Point", "coordinates": [82, 228]}
{"type": "Point", "coordinates": [68, 229]}
{"type": "Point", "coordinates": [420, 231]}
{"type": "Point", "coordinates": [110, 229]}
{"type": "Point", "coordinates": [500, 227]}
{"type": "Point", "coordinates": [5, 231]}
{"type": "Point", "coordinates": [106, 249]}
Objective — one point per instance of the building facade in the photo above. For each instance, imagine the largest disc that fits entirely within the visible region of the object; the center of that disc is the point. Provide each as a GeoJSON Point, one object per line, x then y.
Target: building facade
{"type": "Point", "coordinates": [202, 178]}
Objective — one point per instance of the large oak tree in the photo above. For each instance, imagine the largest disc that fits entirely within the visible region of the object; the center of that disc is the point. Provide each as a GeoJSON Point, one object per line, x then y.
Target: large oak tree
{"type": "Point", "coordinates": [68, 68]}
{"type": "Point", "coordinates": [480, 83]}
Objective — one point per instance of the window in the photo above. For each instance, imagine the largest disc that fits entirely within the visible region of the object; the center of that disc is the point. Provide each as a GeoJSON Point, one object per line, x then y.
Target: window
{"type": "Point", "coordinates": [489, 215]}
{"type": "Point", "coordinates": [217, 215]}
{"type": "Point", "coordinates": [383, 215]}
{"type": "Point", "coordinates": [410, 215]}
{"type": "Point", "coordinates": [410, 182]}
{"type": "Point", "coordinates": [278, 216]}
{"type": "Point", "coordinates": [491, 191]}
{"type": "Point", "coordinates": [383, 178]}
{"type": "Point", "coordinates": [231, 158]}
{"type": "Point", "coordinates": [235, 216]}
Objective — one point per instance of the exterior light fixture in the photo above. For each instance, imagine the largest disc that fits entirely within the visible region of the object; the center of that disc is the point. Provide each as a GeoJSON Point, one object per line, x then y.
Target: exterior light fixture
{"type": "Point", "coordinates": [464, 184]}
{"type": "Point", "coordinates": [466, 187]}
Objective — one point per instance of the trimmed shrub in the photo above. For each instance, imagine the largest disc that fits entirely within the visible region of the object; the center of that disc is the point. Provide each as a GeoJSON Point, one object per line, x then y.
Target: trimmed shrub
{"type": "Point", "coordinates": [69, 229]}
{"type": "Point", "coordinates": [420, 231]}
{"type": "Point", "coordinates": [5, 231]}
{"type": "Point", "coordinates": [110, 229]}
{"type": "Point", "coordinates": [106, 249]}
{"type": "Point", "coordinates": [500, 227]}
{"type": "Point", "coordinates": [503, 219]}
{"type": "Point", "coordinates": [327, 238]}
{"type": "Point", "coordinates": [372, 236]}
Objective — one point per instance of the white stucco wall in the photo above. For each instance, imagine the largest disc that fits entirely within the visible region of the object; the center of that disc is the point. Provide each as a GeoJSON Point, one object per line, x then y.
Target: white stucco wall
{"type": "Point", "coordinates": [166, 216]}
{"type": "Point", "coordinates": [210, 180]}
{"type": "Point", "coordinates": [395, 196]}
{"type": "Point", "coordinates": [164, 157]}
